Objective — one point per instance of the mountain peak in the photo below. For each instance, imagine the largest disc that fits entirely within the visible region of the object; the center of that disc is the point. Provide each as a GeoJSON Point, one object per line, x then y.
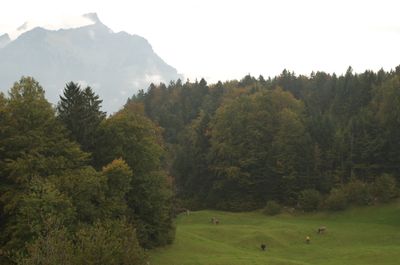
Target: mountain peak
{"type": "Point", "coordinates": [93, 17]}
{"type": "Point", "coordinates": [5, 37]}
{"type": "Point", "coordinates": [115, 65]}
{"type": "Point", "coordinates": [4, 40]}
{"type": "Point", "coordinates": [23, 26]}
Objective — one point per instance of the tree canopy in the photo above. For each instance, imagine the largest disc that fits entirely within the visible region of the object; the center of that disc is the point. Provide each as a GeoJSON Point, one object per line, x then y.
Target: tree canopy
{"type": "Point", "coordinates": [54, 203]}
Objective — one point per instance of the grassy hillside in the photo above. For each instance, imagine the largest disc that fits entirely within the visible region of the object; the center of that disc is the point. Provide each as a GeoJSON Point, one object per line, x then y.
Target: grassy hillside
{"type": "Point", "coordinates": [369, 235]}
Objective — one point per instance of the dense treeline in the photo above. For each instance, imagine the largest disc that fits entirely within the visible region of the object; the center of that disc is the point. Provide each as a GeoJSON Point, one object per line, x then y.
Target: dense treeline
{"type": "Point", "coordinates": [77, 187]}
{"type": "Point", "coordinates": [238, 144]}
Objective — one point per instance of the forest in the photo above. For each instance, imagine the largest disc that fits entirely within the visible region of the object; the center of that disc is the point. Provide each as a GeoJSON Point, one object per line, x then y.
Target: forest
{"type": "Point", "coordinates": [80, 187]}
{"type": "Point", "coordinates": [301, 141]}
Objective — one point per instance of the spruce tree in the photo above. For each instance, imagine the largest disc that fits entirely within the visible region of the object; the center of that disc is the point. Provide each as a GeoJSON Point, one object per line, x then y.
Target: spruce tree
{"type": "Point", "coordinates": [80, 112]}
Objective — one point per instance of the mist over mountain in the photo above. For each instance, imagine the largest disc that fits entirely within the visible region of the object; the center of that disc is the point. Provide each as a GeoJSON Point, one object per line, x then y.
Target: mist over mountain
{"type": "Point", "coordinates": [115, 65]}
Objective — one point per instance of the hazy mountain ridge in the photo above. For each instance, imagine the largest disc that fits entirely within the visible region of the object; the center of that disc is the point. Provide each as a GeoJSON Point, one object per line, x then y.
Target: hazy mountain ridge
{"type": "Point", "coordinates": [115, 65]}
{"type": "Point", "coordinates": [4, 40]}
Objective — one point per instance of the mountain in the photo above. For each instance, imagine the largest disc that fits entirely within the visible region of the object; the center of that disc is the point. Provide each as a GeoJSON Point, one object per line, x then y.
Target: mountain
{"type": "Point", "coordinates": [4, 40]}
{"type": "Point", "coordinates": [115, 65]}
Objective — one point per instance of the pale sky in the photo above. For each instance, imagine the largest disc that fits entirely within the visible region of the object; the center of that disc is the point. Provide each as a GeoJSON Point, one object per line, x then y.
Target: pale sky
{"type": "Point", "coordinates": [222, 40]}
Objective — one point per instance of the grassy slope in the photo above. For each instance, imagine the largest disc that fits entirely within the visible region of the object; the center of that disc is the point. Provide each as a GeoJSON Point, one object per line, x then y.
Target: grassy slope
{"type": "Point", "coordinates": [362, 236]}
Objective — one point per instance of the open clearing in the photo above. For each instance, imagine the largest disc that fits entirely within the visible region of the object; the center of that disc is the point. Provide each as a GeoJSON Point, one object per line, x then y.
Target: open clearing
{"type": "Point", "coordinates": [368, 235]}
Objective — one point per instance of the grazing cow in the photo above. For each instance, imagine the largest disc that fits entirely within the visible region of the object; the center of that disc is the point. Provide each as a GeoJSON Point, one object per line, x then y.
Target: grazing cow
{"type": "Point", "coordinates": [263, 247]}
{"type": "Point", "coordinates": [214, 221]}
{"type": "Point", "coordinates": [308, 239]}
{"type": "Point", "coordinates": [321, 229]}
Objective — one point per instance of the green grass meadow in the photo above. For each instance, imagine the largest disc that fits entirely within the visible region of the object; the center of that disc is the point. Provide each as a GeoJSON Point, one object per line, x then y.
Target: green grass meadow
{"type": "Point", "coordinates": [368, 235]}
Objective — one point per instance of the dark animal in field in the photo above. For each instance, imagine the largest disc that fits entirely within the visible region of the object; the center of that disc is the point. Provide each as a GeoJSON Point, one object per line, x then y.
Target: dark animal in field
{"type": "Point", "coordinates": [321, 230]}
{"type": "Point", "coordinates": [263, 247]}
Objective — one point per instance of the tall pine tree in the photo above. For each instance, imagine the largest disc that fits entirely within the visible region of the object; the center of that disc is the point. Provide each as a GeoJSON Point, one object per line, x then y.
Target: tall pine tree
{"type": "Point", "coordinates": [80, 111]}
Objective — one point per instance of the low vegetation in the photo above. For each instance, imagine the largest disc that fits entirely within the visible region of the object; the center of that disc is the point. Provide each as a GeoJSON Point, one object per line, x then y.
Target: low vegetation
{"type": "Point", "coordinates": [357, 236]}
{"type": "Point", "coordinates": [272, 208]}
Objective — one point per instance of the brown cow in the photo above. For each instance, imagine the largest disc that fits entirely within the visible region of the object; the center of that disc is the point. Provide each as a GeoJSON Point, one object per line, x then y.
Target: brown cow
{"type": "Point", "coordinates": [321, 229]}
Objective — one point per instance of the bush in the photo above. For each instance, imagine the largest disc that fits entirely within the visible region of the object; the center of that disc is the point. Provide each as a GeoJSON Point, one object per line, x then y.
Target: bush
{"type": "Point", "coordinates": [52, 247]}
{"type": "Point", "coordinates": [237, 203]}
{"type": "Point", "coordinates": [358, 192]}
{"type": "Point", "coordinates": [272, 208]}
{"type": "Point", "coordinates": [385, 188]}
{"type": "Point", "coordinates": [336, 200]}
{"type": "Point", "coordinates": [109, 242]}
{"type": "Point", "coordinates": [309, 200]}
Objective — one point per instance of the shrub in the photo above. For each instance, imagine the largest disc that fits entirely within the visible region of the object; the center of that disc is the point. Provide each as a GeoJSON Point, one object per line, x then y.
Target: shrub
{"type": "Point", "coordinates": [336, 200]}
{"type": "Point", "coordinates": [385, 188]}
{"type": "Point", "coordinates": [358, 192]}
{"type": "Point", "coordinates": [52, 247]}
{"type": "Point", "coordinates": [272, 208]}
{"type": "Point", "coordinates": [309, 200]}
{"type": "Point", "coordinates": [237, 203]}
{"type": "Point", "coordinates": [108, 242]}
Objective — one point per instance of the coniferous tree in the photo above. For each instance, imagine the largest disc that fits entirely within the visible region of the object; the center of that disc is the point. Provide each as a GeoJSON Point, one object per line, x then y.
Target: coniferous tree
{"type": "Point", "coordinates": [80, 111]}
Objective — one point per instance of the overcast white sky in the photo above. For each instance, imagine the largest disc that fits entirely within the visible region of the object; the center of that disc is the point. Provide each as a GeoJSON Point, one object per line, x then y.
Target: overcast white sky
{"type": "Point", "coordinates": [221, 40]}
